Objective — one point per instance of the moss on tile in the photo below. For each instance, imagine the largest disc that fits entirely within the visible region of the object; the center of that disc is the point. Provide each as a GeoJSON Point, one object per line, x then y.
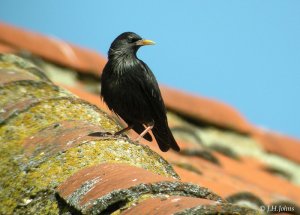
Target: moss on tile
{"type": "Point", "coordinates": [187, 133]}
{"type": "Point", "coordinates": [247, 146]}
{"type": "Point", "coordinates": [64, 75]}
{"type": "Point", "coordinates": [25, 124]}
{"type": "Point", "coordinates": [21, 90]}
{"type": "Point", "coordinates": [50, 111]}
{"type": "Point", "coordinates": [59, 167]}
{"type": "Point", "coordinates": [228, 152]}
{"type": "Point", "coordinates": [278, 172]}
{"type": "Point", "coordinates": [10, 59]}
{"type": "Point", "coordinates": [19, 65]}
{"type": "Point", "coordinates": [246, 199]}
{"type": "Point", "coordinates": [187, 166]}
{"type": "Point", "coordinates": [118, 199]}
{"type": "Point", "coordinates": [27, 183]}
{"type": "Point", "coordinates": [21, 126]}
{"type": "Point", "coordinates": [203, 154]}
{"type": "Point", "coordinates": [30, 186]}
{"type": "Point", "coordinates": [60, 75]}
{"type": "Point", "coordinates": [134, 202]}
{"type": "Point", "coordinates": [239, 144]}
{"type": "Point", "coordinates": [12, 66]}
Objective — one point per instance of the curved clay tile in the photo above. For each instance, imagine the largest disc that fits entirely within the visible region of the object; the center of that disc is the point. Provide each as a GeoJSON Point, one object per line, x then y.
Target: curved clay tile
{"type": "Point", "coordinates": [219, 209]}
{"type": "Point", "coordinates": [205, 110]}
{"type": "Point", "coordinates": [167, 205]}
{"type": "Point", "coordinates": [96, 189]}
{"type": "Point", "coordinates": [44, 144]}
{"type": "Point", "coordinates": [282, 145]}
{"type": "Point", "coordinates": [45, 141]}
{"type": "Point", "coordinates": [246, 198]}
{"type": "Point", "coordinates": [4, 48]}
{"type": "Point", "coordinates": [52, 49]}
{"type": "Point", "coordinates": [8, 75]}
{"type": "Point", "coordinates": [61, 136]}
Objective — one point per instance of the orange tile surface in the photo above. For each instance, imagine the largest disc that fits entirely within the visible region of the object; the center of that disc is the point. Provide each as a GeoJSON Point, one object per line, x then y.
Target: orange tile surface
{"type": "Point", "coordinates": [4, 48]}
{"type": "Point", "coordinates": [205, 109]}
{"type": "Point", "coordinates": [52, 49]}
{"type": "Point", "coordinates": [279, 144]}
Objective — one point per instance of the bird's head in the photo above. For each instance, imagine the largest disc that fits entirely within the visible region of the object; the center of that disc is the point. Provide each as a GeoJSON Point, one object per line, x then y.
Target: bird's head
{"type": "Point", "coordinates": [127, 43]}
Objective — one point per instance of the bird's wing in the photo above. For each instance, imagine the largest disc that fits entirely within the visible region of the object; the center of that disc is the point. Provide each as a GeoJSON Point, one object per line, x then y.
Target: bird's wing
{"type": "Point", "coordinates": [151, 90]}
{"type": "Point", "coordinates": [161, 130]}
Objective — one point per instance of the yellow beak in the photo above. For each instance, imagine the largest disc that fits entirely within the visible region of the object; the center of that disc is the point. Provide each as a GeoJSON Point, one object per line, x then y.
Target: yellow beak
{"type": "Point", "coordinates": [145, 42]}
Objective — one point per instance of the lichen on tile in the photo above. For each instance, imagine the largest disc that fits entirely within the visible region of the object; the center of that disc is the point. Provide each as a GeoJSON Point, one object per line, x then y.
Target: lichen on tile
{"type": "Point", "coordinates": [21, 90]}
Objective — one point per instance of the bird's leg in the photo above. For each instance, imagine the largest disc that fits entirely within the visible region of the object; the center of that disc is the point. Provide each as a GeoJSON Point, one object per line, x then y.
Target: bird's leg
{"type": "Point", "coordinates": [124, 130]}
{"type": "Point", "coordinates": [148, 128]}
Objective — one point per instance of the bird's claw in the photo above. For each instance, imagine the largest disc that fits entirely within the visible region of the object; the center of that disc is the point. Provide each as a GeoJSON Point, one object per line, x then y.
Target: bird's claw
{"type": "Point", "coordinates": [117, 135]}
{"type": "Point", "coordinates": [100, 134]}
{"type": "Point", "coordinates": [107, 134]}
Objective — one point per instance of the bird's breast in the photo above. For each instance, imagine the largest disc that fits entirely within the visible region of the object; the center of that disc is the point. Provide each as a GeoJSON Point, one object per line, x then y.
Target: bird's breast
{"type": "Point", "coordinates": [117, 77]}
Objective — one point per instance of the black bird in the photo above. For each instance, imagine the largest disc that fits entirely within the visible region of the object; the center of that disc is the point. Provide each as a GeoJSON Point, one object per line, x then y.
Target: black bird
{"type": "Point", "coordinates": [130, 90]}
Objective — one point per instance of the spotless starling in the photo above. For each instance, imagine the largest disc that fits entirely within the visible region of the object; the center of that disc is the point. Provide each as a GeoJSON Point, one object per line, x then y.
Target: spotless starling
{"type": "Point", "coordinates": [130, 90]}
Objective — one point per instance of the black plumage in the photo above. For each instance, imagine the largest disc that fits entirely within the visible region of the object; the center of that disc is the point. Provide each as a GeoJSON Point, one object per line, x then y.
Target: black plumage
{"type": "Point", "coordinates": [130, 89]}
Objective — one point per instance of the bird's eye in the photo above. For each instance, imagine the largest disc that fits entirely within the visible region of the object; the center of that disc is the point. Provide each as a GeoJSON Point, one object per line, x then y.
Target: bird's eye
{"type": "Point", "coordinates": [132, 39]}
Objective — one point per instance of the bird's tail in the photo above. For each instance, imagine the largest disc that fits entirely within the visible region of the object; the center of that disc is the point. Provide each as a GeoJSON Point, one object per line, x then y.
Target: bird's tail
{"type": "Point", "coordinates": [165, 138]}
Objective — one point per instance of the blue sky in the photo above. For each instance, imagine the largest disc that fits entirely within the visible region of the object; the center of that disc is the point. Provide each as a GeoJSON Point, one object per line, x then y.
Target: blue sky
{"type": "Point", "coordinates": [244, 53]}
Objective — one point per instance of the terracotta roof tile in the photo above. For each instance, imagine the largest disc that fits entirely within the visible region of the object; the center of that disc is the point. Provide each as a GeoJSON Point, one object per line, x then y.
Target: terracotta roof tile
{"type": "Point", "coordinates": [107, 177]}
{"type": "Point", "coordinates": [167, 205]}
{"type": "Point", "coordinates": [54, 50]}
{"type": "Point", "coordinates": [10, 110]}
{"type": "Point", "coordinates": [252, 162]}
{"type": "Point", "coordinates": [220, 180]}
{"type": "Point", "coordinates": [275, 143]}
{"type": "Point", "coordinates": [260, 179]}
{"type": "Point", "coordinates": [92, 98]}
{"type": "Point", "coordinates": [240, 197]}
{"type": "Point", "coordinates": [223, 188]}
{"type": "Point", "coordinates": [60, 135]}
{"type": "Point", "coordinates": [204, 109]}
{"type": "Point", "coordinates": [223, 208]}
{"type": "Point", "coordinates": [233, 176]}
{"type": "Point", "coordinates": [229, 171]}
{"type": "Point", "coordinates": [49, 130]}
{"type": "Point", "coordinates": [100, 187]}
{"type": "Point", "coordinates": [279, 144]}
{"type": "Point", "coordinates": [214, 177]}
{"type": "Point", "coordinates": [7, 75]}
{"type": "Point", "coordinates": [4, 48]}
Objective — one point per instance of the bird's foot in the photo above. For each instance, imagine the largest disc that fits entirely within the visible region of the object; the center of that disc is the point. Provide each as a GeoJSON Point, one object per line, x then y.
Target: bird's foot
{"type": "Point", "coordinates": [108, 134]}
{"type": "Point", "coordinates": [100, 134]}
{"type": "Point", "coordinates": [118, 135]}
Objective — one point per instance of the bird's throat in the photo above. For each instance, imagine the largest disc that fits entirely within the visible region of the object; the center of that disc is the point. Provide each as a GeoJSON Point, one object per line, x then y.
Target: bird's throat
{"type": "Point", "coordinates": [123, 63]}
